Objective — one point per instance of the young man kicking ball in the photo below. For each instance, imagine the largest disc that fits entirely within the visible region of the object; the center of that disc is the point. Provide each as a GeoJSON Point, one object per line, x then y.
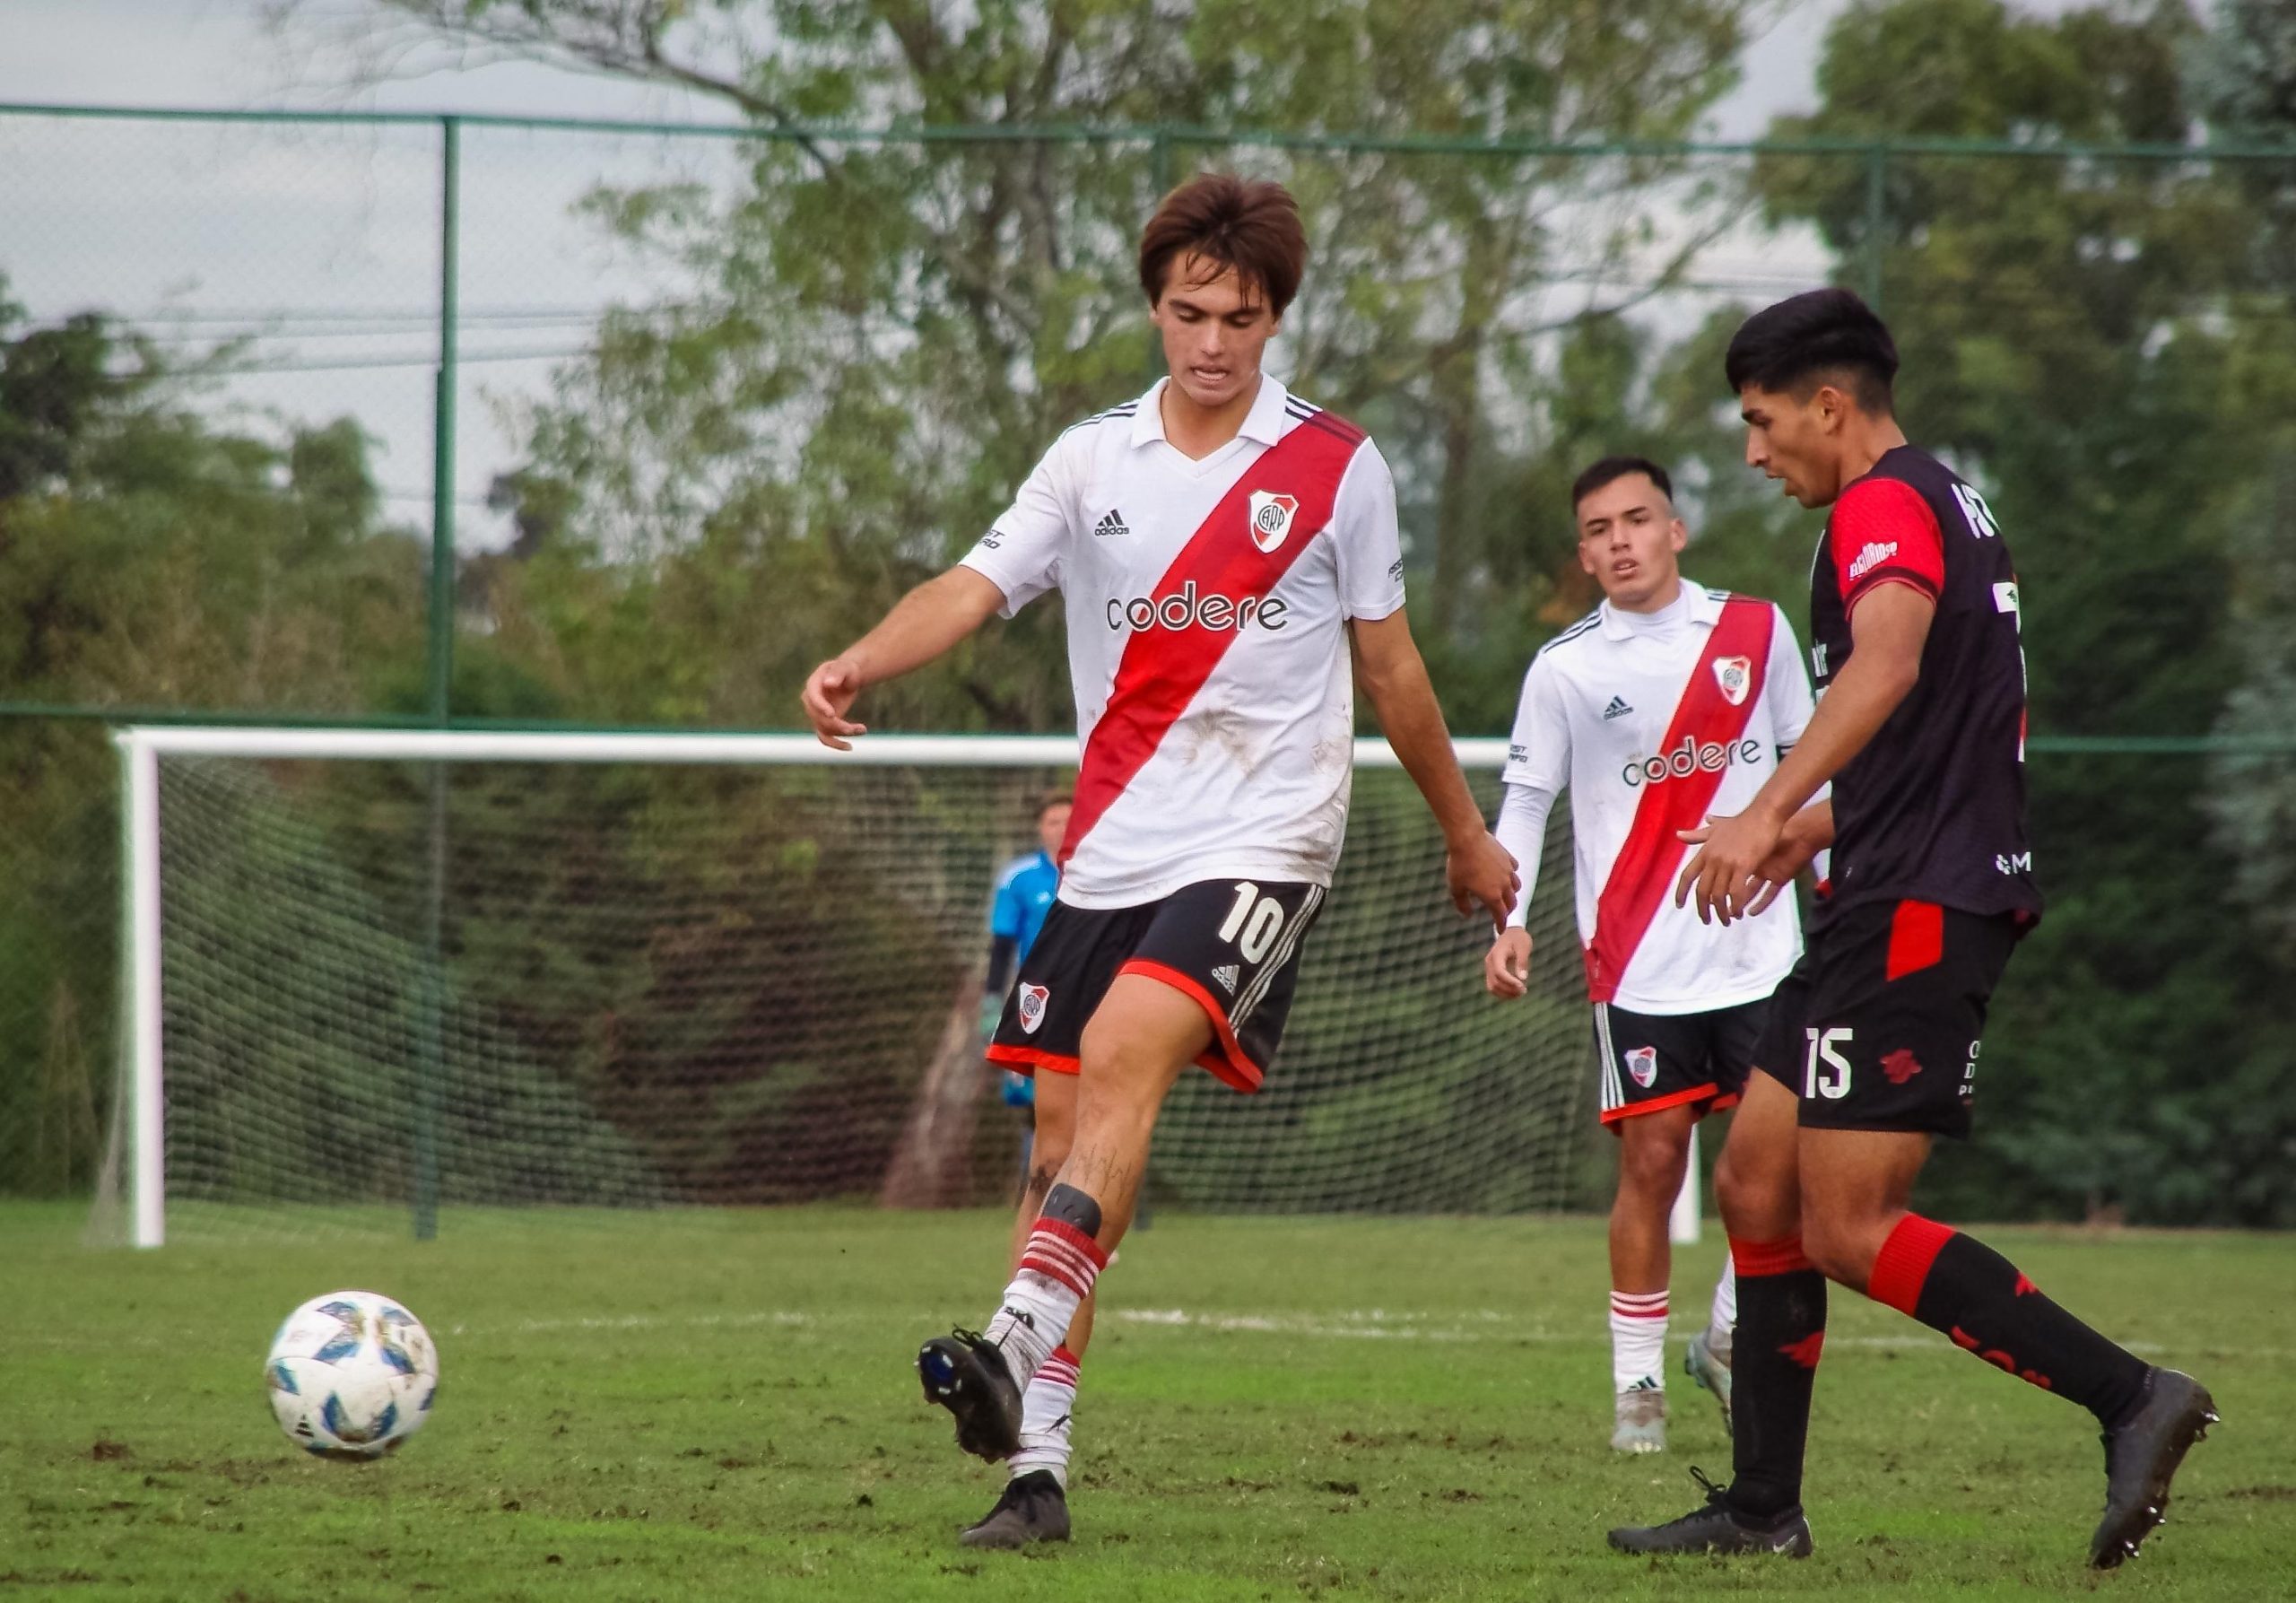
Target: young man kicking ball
{"type": "Point", "coordinates": [1872, 1051]}
{"type": "Point", "coordinates": [1218, 543]}
{"type": "Point", "coordinates": [1668, 702]}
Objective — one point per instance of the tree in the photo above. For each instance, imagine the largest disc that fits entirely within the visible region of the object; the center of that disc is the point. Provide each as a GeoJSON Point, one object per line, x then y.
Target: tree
{"type": "Point", "coordinates": [147, 557]}
{"type": "Point", "coordinates": [880, 334]}
{"type": "Point", "coordinates": [2073, 333]}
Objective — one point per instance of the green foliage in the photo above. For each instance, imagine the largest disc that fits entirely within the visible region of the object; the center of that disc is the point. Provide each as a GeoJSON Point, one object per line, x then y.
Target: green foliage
{"type": "Point", "coordinates": [147, 556]}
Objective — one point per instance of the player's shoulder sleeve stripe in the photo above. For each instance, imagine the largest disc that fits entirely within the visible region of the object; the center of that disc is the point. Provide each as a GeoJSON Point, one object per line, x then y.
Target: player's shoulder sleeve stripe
{"type": "Point", "coordinates": [1113, 414]}
{"type": "Point", "coordinates": [1577, 631]}
{"type": "Point", "coordinates": [1010, 874]}
{"type": "Point", "coordinates": [1331, 423]}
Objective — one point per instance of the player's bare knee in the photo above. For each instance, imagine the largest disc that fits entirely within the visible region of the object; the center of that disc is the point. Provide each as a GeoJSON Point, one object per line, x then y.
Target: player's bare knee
{"type": "Point", "coordinates": [1836, 1247]}
{"type": "Point", "coordinates": [1756, 1204]}
{"type": "Point", "coordinates": [1654, 1160]}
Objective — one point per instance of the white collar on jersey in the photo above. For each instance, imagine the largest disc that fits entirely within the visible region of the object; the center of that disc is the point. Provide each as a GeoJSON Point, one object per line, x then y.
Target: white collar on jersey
{"type": "Point", "coordinates": [1705, 607]}
{"type": "Point", "coordinates": [1264, 423]}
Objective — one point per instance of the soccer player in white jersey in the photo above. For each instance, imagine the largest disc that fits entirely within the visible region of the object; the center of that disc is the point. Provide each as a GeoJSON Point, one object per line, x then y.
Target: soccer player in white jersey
{"type": "Point", "coordinates": [1218, 544]}
{"type": "Point", "coordinates": [1668, 702]}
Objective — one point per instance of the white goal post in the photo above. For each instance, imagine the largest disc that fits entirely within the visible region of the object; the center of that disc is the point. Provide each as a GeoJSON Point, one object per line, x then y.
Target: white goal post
{"type": "Point", "coordinates": [147, 1012]}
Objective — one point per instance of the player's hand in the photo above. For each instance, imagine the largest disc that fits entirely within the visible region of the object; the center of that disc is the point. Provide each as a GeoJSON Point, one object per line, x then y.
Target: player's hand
{"type": "Point", "coordinates": [1482, 874]}
{"type": "Point", "coordinates": [827, 694]}
{"type": "Point", "coordinates": [1796, 847]}
{"type": "Point", "coordinates": [1726, 874]}
{"type": "Point", "coordinates": [1506, 966]}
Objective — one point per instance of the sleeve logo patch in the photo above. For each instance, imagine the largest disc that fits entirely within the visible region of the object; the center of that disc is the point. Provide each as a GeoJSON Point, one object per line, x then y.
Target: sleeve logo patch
{"type": "Point", "coordinates": [1871, 558]}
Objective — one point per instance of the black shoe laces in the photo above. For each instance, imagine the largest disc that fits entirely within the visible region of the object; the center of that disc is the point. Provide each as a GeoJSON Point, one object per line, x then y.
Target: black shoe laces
{"type": "Point", "coordinates": [1714, 1493]}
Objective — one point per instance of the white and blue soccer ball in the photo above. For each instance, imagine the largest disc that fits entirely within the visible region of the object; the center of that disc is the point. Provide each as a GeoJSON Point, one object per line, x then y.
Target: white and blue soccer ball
{"type": "Point", "coordinates": [351, 1375]}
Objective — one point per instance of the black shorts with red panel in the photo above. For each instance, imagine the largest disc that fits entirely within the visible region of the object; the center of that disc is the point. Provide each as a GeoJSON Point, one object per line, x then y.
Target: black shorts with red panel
{"type": "Point", "coordinates": [1878, 1026]}
{"type": "Point", "coordinates": [1655, 1060]}
{"type": "Point", "coordinates": [1231, 946]}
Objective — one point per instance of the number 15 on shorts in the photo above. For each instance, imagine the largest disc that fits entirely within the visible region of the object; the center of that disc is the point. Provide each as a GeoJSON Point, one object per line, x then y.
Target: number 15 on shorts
{"type": "Point", "coordinates": [1826, 1072]}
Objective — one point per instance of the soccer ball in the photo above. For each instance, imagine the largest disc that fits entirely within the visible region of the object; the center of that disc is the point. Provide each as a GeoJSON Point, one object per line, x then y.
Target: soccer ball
{"type": "Point", "coordinates": [350, 1375]}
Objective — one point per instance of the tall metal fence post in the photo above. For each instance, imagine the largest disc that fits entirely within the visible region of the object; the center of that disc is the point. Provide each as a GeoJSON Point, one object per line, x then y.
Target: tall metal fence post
{"type": "Point", "coordinates": [430, 1005]}
{"type": "Point", "coordinates": [1877, 217]}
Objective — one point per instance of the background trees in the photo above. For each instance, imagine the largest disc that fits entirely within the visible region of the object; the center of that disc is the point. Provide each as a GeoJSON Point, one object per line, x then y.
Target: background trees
{"type": "Point", "coordinates": [877, 337]}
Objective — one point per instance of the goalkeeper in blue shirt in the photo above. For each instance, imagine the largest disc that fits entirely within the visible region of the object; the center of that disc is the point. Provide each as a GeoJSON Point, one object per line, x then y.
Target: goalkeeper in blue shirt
{"type": "Point", "coordinates": [1025, 891]}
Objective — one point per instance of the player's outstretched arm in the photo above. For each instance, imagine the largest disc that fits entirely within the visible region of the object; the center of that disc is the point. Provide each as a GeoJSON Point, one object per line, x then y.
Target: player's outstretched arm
{"type": "Point", "coordinates": [1889, 628]}
{"type": "Point", "coordinates": [1389, 668]}
{"type": "Point", "coordinates": [922, 624]}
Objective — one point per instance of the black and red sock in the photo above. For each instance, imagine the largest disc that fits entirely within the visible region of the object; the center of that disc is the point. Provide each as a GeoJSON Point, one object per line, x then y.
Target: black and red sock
{"type": "Point", "coordinates": [1955, 1282]}
{"type": "Point", "coordinates": [1774, 1365]}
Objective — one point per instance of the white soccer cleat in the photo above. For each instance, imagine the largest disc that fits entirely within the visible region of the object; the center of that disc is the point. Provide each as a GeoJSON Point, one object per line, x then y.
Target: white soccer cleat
{"type": "Point", "coordinates": [1709, 1366]}
{"type": "Point", "coordinates": [1641, 1424]}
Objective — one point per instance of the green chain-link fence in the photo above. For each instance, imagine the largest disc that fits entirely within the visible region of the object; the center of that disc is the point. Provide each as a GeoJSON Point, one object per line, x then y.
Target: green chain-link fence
{"type": "Point", "coordinates": [439, 419]}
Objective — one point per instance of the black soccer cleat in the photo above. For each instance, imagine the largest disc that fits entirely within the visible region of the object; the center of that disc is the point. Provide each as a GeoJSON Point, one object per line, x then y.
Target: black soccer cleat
{"type": "Point", "coordinates": [967, 1375]}
{"type": "Point", "coordinates": [2141, 1457]}
{"type": "Point", "coordinates": [1033, 1508]}
{"type": "Point", "coordinates": [1718, 1528]}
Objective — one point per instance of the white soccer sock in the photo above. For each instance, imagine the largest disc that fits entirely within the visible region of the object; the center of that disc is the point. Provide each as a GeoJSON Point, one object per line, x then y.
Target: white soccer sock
{"type": "Point", "coordinates": [1056, 1275]}
{"type": "Point", "coordinates": [1638, 1338]}
{"type": "Point", "coordinates": [1045, 1410]}
{"type": "Point", "coordinates": [1725, 1317]}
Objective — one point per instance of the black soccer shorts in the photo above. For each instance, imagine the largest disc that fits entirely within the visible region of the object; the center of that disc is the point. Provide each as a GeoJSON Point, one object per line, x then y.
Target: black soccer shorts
{"type": "Point", "coordinates": [1232, 945]}
{"type": "Point", "coordinates": [1879, 1025]}
{"type": "Point", "coordinates": [1654, 1061]}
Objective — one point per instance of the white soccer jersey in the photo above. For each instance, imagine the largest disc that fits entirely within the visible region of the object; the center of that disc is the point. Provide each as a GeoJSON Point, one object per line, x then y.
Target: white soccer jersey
{"type": "Point", "coordinates": [1207, 604]}
{"type": "Point", "coordinates": [1656, 722]}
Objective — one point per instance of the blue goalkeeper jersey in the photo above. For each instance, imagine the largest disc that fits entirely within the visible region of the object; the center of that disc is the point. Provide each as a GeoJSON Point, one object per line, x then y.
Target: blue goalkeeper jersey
{"type": "Point", "coordinates": [1024, 894]}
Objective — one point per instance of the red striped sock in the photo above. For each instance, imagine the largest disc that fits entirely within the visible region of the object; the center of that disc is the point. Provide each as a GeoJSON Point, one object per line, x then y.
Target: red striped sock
{"type": "Point", "coordinates": [1955, 1282]}
{"type": "Point", "coordinates": [1638, 1338]}
{"type": "Point", "coordinates": [1057, 1269]}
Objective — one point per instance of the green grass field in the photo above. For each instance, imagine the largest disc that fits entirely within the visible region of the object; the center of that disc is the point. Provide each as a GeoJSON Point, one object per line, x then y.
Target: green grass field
{"type": "Point", "coordinates": [721, 1406]}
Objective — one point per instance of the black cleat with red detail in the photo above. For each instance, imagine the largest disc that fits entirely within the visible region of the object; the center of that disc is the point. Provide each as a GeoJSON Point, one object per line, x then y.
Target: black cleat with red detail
{"type": "Point", "coordinates": [1718, 1528]}
{"type": "Point", "coordinates": [967, 1375]}
{"type": "Point", "coordinates": [1033, 1508]}
{"type": "Point", "coordinates": [2141, 1457]}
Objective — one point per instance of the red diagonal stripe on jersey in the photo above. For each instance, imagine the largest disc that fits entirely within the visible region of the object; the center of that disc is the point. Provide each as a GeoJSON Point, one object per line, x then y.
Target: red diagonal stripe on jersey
{"type": "Point", "coordinates": [1644, 871]}
{"type": "Point", "coordinates": [1163, 669]}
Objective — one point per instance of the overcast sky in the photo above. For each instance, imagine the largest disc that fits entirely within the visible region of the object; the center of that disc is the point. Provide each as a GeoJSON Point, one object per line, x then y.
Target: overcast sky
{"type": "Point", "coordinates": [320, 243]}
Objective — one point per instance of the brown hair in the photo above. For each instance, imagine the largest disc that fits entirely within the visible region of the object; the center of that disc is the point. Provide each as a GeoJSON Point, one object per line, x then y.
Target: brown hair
{"type": "Point", "coordinates": [1057, 799]}
{"type": "Point", "coordinates": [1251, 225]}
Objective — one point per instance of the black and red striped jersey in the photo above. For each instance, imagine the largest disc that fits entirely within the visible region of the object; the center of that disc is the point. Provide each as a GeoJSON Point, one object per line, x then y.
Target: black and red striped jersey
{"type": "Point", "coordinates": [1933, 809]}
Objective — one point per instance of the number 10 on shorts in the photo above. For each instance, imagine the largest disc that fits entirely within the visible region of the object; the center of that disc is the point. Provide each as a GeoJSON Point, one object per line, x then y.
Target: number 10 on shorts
{"type": "Point", "coordinates": [1833, 1084]}
{"type": "Point", "coordinates": [1252, 925]}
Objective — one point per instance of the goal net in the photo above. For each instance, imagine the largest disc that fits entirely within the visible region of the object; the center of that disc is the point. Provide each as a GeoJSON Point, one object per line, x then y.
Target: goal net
{"type": "Point", "coordinates": [378, 978]}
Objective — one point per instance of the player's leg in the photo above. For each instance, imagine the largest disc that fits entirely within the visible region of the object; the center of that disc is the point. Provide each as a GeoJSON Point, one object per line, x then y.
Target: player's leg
{"type": "Point", "coordinates": [1780, 1322]}
{"type": "Point", "coordinates": [1063, 981]}
{"type": "Point", "coordinates": [1897, 1066]}
{"type": "Point", "coordinates": [1856, 1186]}
{"type": "Point", "coordinates": [1737, 1036]}
{"type": "Point", "coordinates": [1141, 1036]}
{"type": "Point", "coordinates": [1034, 1504]}
{"type": "Point", "coordinates": [1654, 1153]}
{"type": "Point", "coordinates": [1657, 1079]}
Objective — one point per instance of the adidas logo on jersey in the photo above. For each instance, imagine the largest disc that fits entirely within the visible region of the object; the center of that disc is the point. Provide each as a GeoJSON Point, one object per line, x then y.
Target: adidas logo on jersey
{"type": "Point", "coordinates": [1227, 974]}
{"type": "Point", "coordinates": [1109, 526]}
{"type": "Point", "coordinates": [1617, 709]}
